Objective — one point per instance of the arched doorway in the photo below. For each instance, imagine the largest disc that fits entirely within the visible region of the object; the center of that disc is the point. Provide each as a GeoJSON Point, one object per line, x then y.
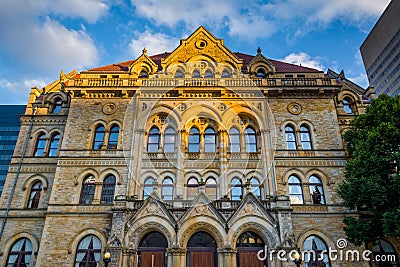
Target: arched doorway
{"type": "Point", "coordinates": [201, 251]}
{"type": "Point", "coordinates": [248, 245]}
{"type": "Point", "coordinates": [152, 250]}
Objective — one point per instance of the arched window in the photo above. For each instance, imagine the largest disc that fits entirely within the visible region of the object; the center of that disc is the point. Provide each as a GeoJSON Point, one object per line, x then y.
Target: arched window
{"type": "Point", "coordinates": [148, 187]}
{"type": "Point", "coordinates": [98, 140]}
{"type": "Point", "coordinates": [208, 74]}
{"type": "Point", "coordinates": [211, 188]}
{"type": "Point", "coordinates": [169, 140]}
{"type": "Point", "coordinates": [194, 140]}
{"type": "Point", "coordinates": [20, 253]}
{"type": "Point", "coordinates": [54, 142]}
{"type": "Point", "coordinates": [234, 140]}
{"type": "Point", "coordinates": [291, 143]}
{"type": "Point", "coordinates": [113, 137]}
{"type": "Point", "coordinates": [153, 240]}
{"type": "Point", "coordinates": [107, 192]}
{"type": "Point", "coordinates": [251, 140]}
{"type": "Point", "coordinates": [167, 191]}
{"type": "Point", "coordinates": [348, 105]}
{"type": "Point", "coordinates": [40, 145]}
{"type": "Point", "coordinates": [153, 142]}
{"type": "Point", "coordinates": [255, 187]}
{"type": "Point", "coordinates": [88, 252]}
{"type": "Point", "coordinates": [143, 74]}
{"type": "Point", "coordinates": [260, 73]}
{"type": "Point", "coordinates": [317, 256]}
{"type": "Point", "coordinates": [305, 137]}
{"type": "Point", "coordinates": [209, 140]}
{"type": "Point", "coordinates": [316, 190]}
{"type": "Point", "coordinates": [295, 190]}
{"type": "Point", "coordinates": [226, 74]}
{"type": "Point", "coordinates": [249, 240]}
{"type": "Point", "coordinates": [179, 74]}
{"type": "Point", "coordinates": [236, 189]}
{"type": "Point", "coordinates": [385, 251]}
{"type": "Point", "coordinates": [88, 189]}
{"type": "Point", "coordinates": [34, 196]}
{"type": "Point", "coordinates": [192, 188]}
{"type": "Point", "coordinates": [196, 74]}
{"type": "Point", "coordinates": [57, 106]}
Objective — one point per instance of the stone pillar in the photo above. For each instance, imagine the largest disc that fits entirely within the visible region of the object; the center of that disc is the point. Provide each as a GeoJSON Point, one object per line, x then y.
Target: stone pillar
{"type": "Point", "coordinates": [284, 216]}
{"type": "Point", "coordinates": [176, 257]}
{"type": "Point", "coordinates": [137, 150]}
{"type": "Point", "coordinates": [180, 161]}
{"type": "Point", "coordinates": [223, 163]}
{"type": "Point", "coordinates": [226, 257]}
{"type": "Point", "coordinates": [97, 193]}
{"type": "Point", "coordinates": [306, 194]}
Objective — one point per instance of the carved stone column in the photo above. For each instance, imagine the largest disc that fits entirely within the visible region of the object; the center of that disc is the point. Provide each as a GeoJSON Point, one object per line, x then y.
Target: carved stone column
{"type": "Point", "coordinates": [306, 193]}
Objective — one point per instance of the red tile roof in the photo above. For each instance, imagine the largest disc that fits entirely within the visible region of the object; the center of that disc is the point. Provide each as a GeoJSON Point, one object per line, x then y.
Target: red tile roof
{"type": "Point", "coordinates": [279, 65]}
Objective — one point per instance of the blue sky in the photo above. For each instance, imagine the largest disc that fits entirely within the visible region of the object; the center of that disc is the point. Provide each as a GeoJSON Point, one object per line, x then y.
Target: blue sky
{"type": "Point", "coordinates": [39, 38]}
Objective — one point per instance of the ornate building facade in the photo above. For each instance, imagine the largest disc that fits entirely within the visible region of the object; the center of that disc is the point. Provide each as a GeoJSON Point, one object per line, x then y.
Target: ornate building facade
{"type": "Point", "coordinates": [198, 157]}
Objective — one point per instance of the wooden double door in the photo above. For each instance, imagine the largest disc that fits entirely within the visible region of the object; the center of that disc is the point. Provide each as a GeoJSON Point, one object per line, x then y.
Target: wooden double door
{"type": "Point", "coordinates": [247, 257]}
{"type": "Point", "coordinates": [152, 258]}
{"type": "Point", "coordinates": [201, 257]}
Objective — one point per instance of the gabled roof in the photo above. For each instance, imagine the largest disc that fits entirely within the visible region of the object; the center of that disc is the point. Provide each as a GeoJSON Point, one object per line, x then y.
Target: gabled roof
{"type": "Point", "coordinates": [279, 65]}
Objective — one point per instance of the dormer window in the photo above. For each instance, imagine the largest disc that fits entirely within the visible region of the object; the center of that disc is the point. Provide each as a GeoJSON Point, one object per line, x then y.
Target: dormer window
{"type": "Point", "coordinates": [261, 73]}
{"type": "Point", "coordinates": [348, 105]}
{"type": "Point", "coordinates": [143, 74]}
{"type": "Point", "coordinates": [57, 106]}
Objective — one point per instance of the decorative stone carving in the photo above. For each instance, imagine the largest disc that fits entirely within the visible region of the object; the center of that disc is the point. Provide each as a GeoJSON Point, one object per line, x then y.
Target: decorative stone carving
{"type": "Point", "coordinates": [109, 108]}
{"type": "Point", "coordinates": [294, 108]}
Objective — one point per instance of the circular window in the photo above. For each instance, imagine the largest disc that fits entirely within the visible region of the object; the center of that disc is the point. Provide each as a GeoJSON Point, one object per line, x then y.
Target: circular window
{"type": "Point", "coordinates": [201, 44]}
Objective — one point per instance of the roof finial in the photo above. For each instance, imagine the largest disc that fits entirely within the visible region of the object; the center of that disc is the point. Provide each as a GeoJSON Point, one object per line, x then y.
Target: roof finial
{"type": "Point", "coordinates": [63, 77]}
{"type": "Point", "coordinates": [144, 50]}
{"type": "Point", "coordinates": [258, 50]}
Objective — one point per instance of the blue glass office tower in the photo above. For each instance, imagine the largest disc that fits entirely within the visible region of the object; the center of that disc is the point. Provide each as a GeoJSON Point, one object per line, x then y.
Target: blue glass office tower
{"type": "Point", "coordinates": [9, 129]}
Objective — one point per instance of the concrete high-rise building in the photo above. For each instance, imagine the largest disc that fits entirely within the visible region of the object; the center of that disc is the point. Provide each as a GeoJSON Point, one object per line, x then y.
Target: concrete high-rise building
{"type": "Point", "coordinates": [9, 130]}
{"type": "Point", "coordinates": [381, 52]}
{"type": "Point", "coordinates": [195, 157]}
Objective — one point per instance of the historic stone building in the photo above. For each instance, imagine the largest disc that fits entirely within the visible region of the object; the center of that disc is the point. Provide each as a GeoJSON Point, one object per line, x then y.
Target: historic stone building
{"type": "Point", "coordinates": [198, 157]}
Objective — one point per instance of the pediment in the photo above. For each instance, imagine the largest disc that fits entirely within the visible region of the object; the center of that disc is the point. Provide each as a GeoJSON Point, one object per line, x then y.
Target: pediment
{"type": "Point", "coordinates": [201, 206]}
{"type": "Point", "coordinates": [143, 62]}
{"type": "Point", "coordinates": [152, 206]}
{"type": "Point", "coordinates": [251, 206]}
{"type": "Point", "coordinates": [202, 46]}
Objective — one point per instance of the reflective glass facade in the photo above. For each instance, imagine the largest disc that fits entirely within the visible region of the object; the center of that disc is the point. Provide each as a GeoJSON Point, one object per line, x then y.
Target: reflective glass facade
{"type": "Point", "coordinates": [9, 129]}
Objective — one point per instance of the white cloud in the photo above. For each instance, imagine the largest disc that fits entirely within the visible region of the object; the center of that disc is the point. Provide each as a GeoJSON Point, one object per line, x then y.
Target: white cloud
{"type": "Point", "coordinates": [361, 80]}
{"type": "Point", "coordinates": [232, 14]}
{"type": "Point", "coordinates": [42, 45]}
{"type": "Point", "coordinates": [18, 92]}
{"type": "Point", "coordinates": [304, 60]}
{"type": "Point", "coordinates": [90, 10]}
{"type": "Point", "coordinates": [253, 19]}
{"type": "Point", "coordinates": [155, 43]}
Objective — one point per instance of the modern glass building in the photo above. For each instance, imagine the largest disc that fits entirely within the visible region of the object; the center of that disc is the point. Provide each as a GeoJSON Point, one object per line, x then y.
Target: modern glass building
{"type": "Point", "coordinates": [381, 52]}
{"type": "Point", "coordinates": [9, 129]}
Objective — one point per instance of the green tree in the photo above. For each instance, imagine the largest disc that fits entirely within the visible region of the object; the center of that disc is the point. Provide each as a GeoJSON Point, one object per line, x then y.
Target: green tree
{"type": "Point", "coordinates": [372, 180]}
